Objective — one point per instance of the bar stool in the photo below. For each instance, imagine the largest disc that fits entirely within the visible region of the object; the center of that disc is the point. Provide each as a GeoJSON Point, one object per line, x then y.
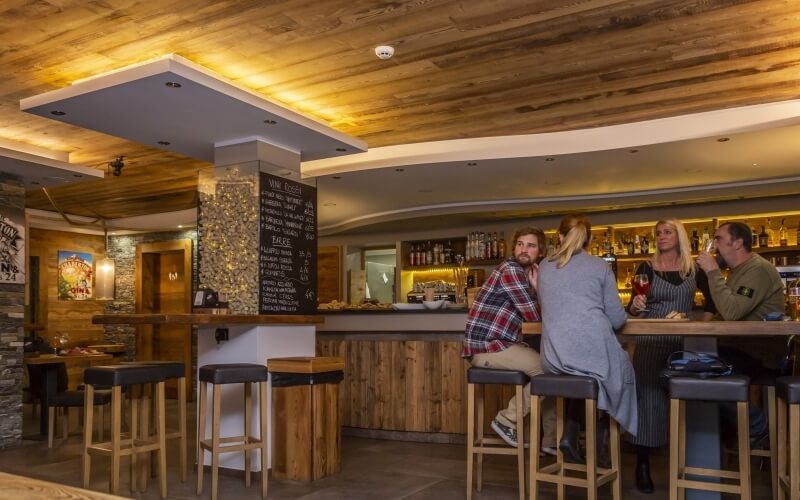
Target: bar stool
{"type": "Point", "coordinates": [477, 444]}
{"type": "Point", "coordinates": [733, 388]}
{"type": "Point", "coordinates": [171, 370]}
{"type": "Point", "coordinates": [788, 389]}
{"type": "Point", "coordinates": [573, 387]}
{"type": "Point", "coordinates": [217, 375]}
{"type": "Point", "coordinates": [116, 377]}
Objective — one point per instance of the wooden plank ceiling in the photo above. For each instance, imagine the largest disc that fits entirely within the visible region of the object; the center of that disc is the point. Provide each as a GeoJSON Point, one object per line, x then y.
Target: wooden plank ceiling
{"type": "Point", "coordinates": [462, 69]}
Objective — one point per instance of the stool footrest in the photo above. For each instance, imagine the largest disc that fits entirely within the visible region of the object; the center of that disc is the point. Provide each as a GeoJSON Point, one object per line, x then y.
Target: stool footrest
{"type": "Point", "coordinates": [553, 470]}
{"type": "Point", "coordinates": [126, 448]}
{"type": "Point", "coordinates": [699, 471]}
{"type": "Point", "coordinates": [244, 443]}
{"type": "Point", "coordinates": [486, 450]}
{"type": "Point", "coordinates": [706, 486]}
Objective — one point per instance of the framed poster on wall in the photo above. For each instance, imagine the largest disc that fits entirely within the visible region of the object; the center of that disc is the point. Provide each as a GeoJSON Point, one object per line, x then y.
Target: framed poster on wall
{"type": "Point", "coordinates": [74, 275]}
{"type": "Point", "coordinates": [12, 250]}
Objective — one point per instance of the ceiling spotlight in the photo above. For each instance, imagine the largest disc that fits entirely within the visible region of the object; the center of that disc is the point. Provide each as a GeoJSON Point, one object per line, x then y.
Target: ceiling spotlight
{"type": "Point", "coordinates": [77, 175]}
{"type": "Point", "coordinates": [270, 122]}
{"type": "Point", "coordinates": [399, 170]}
{"type": "Point", "coordinates": [329, 204]}
{"type": "Point", "coordinates": [164, 143]}
{"type": "Point", "coordinates": [384, 51]}
{"type": "Point", "coordinates": [180, 226]}
{"type": "Point", "coordinates": [337, 177]}
{"type": "Point", "coordinates": [341, 150]}
{"type": "Point", "coordinates": [57, 113]}
{"type": "Point", "coordinates": [35, 183]}
{"type": "Point", "coordinates": [723, 139]}
{"type": "Point", "coordinates": [116, 165]}
{"type": "Point", "coordinates": [633, 151]}
{"type": "Point", "coordinates": [173, 85]}
{"type": "Point", "coordinates": [472, 164]}
{"type": "Point", "coordinates": [549, 158]}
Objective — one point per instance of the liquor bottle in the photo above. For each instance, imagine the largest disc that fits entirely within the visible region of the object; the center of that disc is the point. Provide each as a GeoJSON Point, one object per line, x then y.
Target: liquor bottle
{"type": "Point", "coordinates": [448, 253]}
{"type": "Point", "coordinates": [428, 254]}
{"type": "Point", "coordinates": [783, 234]}
{"type": "Point", "coordinates": [631, 246]}
{"type": "Point", "coordinates": [501, 246]}
{"type": "Point", "coordinates": [637, 245]}
{"type": "Point", "coordinates": [437, 254]}
{"type": "Point", "coordinates": [704, 239]}
{"type": "Point", "coordinates": [610, 258]}
{"type": "Point", "coordinates": [551, 245]}
{"type": "Point", "coordinates": [763, 238]}
{"type": "Point", "coordinates": [494, 245]}
{"type": "Point", "coordinates": [695, 241]}
{"type": "Point", "coordinates": [595, 246]}
{"type": "Point", "coordinates": [645, 246]}
{"type": "Point", "coordinates": [487, 247]}
{"type": "Point", "coordinates": [770, 234]}
{"type": "Point", "coordinates": [754, 237]}
{"type": "Point", "coordinates": [606, 244]}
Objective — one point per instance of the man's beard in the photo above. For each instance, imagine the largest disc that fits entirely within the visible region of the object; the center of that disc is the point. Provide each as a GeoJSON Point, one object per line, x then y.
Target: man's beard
{"type": "Point", "coordinates": [526, 257]}
{"type": "Point", "coordinates": [720, 261]}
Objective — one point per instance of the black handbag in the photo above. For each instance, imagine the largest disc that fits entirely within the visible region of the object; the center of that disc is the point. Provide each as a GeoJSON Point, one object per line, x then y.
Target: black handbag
{"type": "Point", "coordinates": [695, 364]}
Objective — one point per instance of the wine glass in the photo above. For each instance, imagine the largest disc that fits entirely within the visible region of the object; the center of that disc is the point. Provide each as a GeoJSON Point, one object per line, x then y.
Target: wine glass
{"type": "Point", "coordinates": [55, 341]}
{"type": "Point", "coordinates": [641, 285]}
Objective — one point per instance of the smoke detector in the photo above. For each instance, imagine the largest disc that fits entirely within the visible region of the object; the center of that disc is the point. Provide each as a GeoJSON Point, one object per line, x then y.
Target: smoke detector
{"type": "Point", "coordinates": [384, 51]}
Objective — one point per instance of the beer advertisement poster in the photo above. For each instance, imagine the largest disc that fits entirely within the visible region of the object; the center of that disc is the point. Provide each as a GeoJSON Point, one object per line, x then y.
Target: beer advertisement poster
{"type": "Point", "coordinates": [12, 250]}
{"type": "Point", "coordinates": [74, 275]}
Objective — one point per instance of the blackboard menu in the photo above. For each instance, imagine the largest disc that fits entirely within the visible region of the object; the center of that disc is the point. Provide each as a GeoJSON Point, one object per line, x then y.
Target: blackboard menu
{"type": "Point", "coordinates": [288, 247]}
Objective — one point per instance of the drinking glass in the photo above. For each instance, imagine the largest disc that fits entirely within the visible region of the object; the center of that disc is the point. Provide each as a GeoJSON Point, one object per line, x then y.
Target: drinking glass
{"type": "Point", "coordinates": [641, 285]}
{"type": "Point", "coordinates": [708, 246]}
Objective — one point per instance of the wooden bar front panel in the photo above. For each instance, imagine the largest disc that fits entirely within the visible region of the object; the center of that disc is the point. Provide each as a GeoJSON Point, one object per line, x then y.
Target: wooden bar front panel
{"type": "Point", "coordinates": [407, 385]}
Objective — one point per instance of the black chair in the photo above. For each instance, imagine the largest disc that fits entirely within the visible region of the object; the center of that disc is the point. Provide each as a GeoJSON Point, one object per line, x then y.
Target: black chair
{"type": "Point", "coordinates": [64, 398]}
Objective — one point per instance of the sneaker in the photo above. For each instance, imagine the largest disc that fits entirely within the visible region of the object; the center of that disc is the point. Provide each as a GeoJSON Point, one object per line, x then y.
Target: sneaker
{"type": "Point", "coordinates": [546, 450]}
{"type": "Point", "coordinates": [508, 434]}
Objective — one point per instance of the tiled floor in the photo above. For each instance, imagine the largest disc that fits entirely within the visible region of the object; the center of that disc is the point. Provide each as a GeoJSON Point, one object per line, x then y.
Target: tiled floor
{"type": "Point", "coordinates": [371, 469]}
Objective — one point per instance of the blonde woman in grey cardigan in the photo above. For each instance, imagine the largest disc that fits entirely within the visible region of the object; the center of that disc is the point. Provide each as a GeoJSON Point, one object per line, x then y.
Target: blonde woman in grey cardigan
{"type": "Point", "coordinates": [580, 311]}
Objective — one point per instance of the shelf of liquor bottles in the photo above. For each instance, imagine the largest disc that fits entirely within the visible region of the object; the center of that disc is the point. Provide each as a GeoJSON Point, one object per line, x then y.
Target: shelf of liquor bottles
{"type": "Point", "coordinates": [476, 249]}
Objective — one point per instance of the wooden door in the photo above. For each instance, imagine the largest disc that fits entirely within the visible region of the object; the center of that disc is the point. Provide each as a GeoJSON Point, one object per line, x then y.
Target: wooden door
{"type": "Point", "coordinates": [163, 285]}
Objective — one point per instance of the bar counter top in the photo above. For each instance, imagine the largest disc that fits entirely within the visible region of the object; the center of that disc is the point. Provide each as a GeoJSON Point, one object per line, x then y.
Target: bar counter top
{"type": "Point", "coordinates": [206, 319]}
{"type": "Point", "coordinates": [695, 328]}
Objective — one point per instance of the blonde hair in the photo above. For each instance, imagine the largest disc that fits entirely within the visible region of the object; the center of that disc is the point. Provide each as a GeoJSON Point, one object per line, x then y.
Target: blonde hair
{"type": "Point", "coordinates": [577, 232]}
{"type": "Point", "coordinates": [686, 267]}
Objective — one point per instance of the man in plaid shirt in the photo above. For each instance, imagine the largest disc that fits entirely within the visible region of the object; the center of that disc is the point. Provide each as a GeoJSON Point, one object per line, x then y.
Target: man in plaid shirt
{"type": "Point", "coordinates": [493, 337]}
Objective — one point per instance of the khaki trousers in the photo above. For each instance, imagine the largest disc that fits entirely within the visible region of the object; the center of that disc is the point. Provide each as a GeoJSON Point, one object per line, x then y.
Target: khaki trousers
{"type": "Point", "coordinates": [526, 360]}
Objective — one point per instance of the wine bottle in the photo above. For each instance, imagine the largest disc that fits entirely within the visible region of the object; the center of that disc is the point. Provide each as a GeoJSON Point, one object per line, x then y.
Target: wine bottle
{"type": "Point", "coordinates": [501, 246]}
{"type": "Point", "coordinates": [754, 237]}
{"type": "Point", "coordinates": [763, 238]}
{"type": "Point", "coordinates": [783, 234]}
{"type": "Point", "coordinates": [704, 239]}
{"type": "Point", "coordinates": [695, 241]}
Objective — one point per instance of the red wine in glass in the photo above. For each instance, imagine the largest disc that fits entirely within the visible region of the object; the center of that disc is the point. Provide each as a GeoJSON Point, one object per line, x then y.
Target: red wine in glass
{"type": "Point", "coordinates": [641, 284]}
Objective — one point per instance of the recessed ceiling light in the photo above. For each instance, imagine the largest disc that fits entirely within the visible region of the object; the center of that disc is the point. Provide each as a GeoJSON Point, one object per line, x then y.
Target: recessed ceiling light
{"type": "Point", "coordinates": [35, 183]}
{"type": "Point", "coordinates": [329, 204]}
{"type": "Point", "coordinates": [549, 158]}
{"type": "Point", "coordinates": [77, 175]}
{"type": "Point", "coordinates": [164, 143]}
{"type": "Point", "coordinates": [285, 173]}
{"type": "Point", "coordinates": [633, 151]}
{"type": "Point", "coordinates": [173, 85]}
{"type": "Point", "coordinates": [755, 164]}
{"type": "Point", "coordinates": [399, 170]}
{"type": "Point", "coordinates": [57, 113]}
{"type": "Point", "coordinates": [723, 139]}
{"type": "Point", "coordinates": [471, 163]}
{"type": "Point", "coordinates": [341, 150]}
{"type": "Point", "coordinates": [270, 122]}
{"type": "Point", "coordinates": [337, 177]}
{"type": "Point", "coordinates": [180, 226]}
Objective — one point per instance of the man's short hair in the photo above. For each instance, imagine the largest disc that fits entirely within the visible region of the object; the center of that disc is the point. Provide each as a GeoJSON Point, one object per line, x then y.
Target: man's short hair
{"type": "Point", "coordinates": [540, 238]}
{"type": "Point", "coordinates": [740, 231]}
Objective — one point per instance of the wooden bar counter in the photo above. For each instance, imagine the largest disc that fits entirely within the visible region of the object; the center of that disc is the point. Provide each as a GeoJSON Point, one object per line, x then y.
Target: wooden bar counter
{"type": "Point", "coordinates": [405, 378]}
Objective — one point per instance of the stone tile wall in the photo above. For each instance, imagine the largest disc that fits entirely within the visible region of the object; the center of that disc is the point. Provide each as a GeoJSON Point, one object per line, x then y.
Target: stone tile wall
{"type": "Point", "coordinates": [12, 310]}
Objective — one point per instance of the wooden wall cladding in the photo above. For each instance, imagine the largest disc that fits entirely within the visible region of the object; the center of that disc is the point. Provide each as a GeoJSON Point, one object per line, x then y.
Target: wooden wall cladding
{"type": "Point", "coordinates": [329, 273]}
{"type": "Point", "coordinates": [406, 385]}
{"type": "Point", "coordinates": [67, 316]}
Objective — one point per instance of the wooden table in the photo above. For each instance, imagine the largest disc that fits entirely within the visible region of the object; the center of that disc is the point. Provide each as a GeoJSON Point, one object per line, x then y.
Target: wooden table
{"type": "Point", "coordinates": [48, 383]}
{"type": "Point", "coordinates": [15, 487]}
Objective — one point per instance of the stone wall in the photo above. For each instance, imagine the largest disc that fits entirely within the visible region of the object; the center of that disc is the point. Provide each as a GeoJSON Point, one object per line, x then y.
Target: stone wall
{"type": "Point", "coordinates": [12, 310]}
{"type": "Point", "coordinates": [123, 250]}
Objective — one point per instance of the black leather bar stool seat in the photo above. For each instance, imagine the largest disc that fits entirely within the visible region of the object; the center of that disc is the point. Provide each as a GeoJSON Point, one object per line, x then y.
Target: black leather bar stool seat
{"type": "Point", "coordinates": [223, 374]}
{"type": "Point", "coordinates": [116, 377]}
{"type": "Point", "coordinates": [477, 443]}
{"type": "Point", "coordinates": [733, 388]}
{"type": "Point", "coordinates": [573, 387]}
{"type": "Point", "coordinates": [788, 392]}
{"type": "Point", "coordinates": [171, 370]}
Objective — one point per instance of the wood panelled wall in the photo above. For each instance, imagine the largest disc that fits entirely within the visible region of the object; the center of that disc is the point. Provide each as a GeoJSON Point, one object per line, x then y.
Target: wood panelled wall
{"type": "Point", "coordinates": [67, 316]}
{"type": "Point", "coordinates": [405, 385]}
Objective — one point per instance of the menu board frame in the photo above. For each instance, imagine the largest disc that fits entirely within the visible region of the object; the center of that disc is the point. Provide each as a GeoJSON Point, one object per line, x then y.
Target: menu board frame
{"type": "Point", "coordinates": [287, 246]}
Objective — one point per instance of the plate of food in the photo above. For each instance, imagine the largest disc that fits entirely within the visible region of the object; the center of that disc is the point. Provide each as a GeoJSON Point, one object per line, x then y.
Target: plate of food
{"type": "Point", "coordinates": [402, 306]}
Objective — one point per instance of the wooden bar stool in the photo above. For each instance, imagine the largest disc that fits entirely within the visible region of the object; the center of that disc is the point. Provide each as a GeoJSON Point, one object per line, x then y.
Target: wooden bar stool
{"type": "Point", "coordinates": [477, 443]}
{"type": "Point", "coordinates": [733, 388]}
{"type": "Point", "coordinates": [788, 391]}
{"type": "Point", "coordinates": [171, 370]}
{"type": "Point", "coordinates": [218, 375]}
{"type": "Point", "coordinates": [116, 377]}
{"type": "Point", "coordinates": [573, 387]}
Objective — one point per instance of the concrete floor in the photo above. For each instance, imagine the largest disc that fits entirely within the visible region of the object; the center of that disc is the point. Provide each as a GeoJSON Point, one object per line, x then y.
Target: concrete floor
{"type": "Point", "coordinates": [371, 469]}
